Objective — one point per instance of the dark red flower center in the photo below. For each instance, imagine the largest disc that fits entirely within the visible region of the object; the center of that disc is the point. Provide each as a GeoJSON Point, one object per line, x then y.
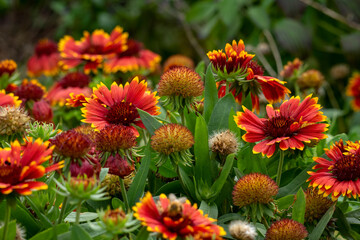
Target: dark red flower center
{"type": "Point", "coordinates": [278, 127]}
{"type": "Point", "coordinates": [75, 79]}
{"type": "Point", "coordinates": [347, 168]}
{"type": "Point", "coordinates": [179, 221]}
{"type": "Point", "coordinates": [9, 174]}
{"type": "Point", "coordinates": [29, 92]}
{"type": "Point", "coordinates": [133, 49]}
{"type": "Point", "coordinates": [93, 49]}
{"type": "Point", "coordinates": [122, 113]}
{"type": "Point", "coordinates": [45, 47]}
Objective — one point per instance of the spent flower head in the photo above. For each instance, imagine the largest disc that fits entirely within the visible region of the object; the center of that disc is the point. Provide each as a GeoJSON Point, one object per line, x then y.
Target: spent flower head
{"type": "Point", "coordinates": [13, 120]}
{"type": "Point", "coordinates": [224, 143]}
{"type": "Point", "coordinates": [241, 230]}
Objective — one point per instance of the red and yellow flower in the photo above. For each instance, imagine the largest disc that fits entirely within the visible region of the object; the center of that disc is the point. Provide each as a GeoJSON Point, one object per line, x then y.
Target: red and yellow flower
{"type": "Point", "coordinates": [20, 165]}
{"type": "Point", "coordinates": [134, 59]}
{"type": "Point", "coordinates": [244, 76]}
{"type": "Point", "coordinates": [30, 90]}
{"type": "Point", "coordinates": [119, 104]}
{"type": "Point", "coordinates": [92, 49]}
{"type": "Point", "coordinates": [290, 126]}
{"type": "Point", "coordinates": [353, 90]}
{"type": "Point", "coordinates": [9, 99]}
{"type": "Point", "coordinates": [45, 59]}
{"type": "Point", "coordinates": [173, 218]}
{"type": "Point", "coordinates": [231, 63]}
{"type": "Point", "coordinates": [7, 66]}
{"type": "Point", "coordinates": [74, 83]}
{"type": "Point", "coordinates": [339, 175]}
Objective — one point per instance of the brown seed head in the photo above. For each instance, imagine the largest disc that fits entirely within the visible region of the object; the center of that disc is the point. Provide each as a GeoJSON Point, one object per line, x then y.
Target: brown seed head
{"type": "Point", "coordinates": [115, 137]}
{"type": "Point", "coordinates": [172, 138]}
{"type": "Point", "coordinates": [254, 188]}
{"type": "Point", "coordinates": [286, 229]}
{"type": "Point", "coordinates": [180, 81]}
{"type": "Point", "coordinates": [71, 144]}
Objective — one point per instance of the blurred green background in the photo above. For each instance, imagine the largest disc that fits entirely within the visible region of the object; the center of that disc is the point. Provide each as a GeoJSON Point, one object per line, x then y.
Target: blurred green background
{"type": "Point", "coordinates": [322, 32]}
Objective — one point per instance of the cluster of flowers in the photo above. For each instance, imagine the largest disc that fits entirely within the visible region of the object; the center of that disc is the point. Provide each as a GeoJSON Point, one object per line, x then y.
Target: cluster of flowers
{"type": "Point", "coordinates": [113, 134]}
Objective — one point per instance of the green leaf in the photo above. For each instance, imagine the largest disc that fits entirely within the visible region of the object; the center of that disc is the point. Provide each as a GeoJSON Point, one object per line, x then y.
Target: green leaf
{"type": "Point", "coordinates": [210, 209]}
{"type": "Point", "coordinates": [201, 151]}
{"type": "Point", "coordinates": [342, 223]}
{"type": "Point", "coordinates": [11, 231]}
{"type": "Point", "coordinates": [210, 95]}
{"type": "Point", "coordinates": [219, 183]}
{"type": "Point", "coordinates": [78, 233]}
{"type": "Point", "coordinates": [259, 16]}
{"type": "Point", "coordinates": [298, 212]}
{"type": "Point", "coordinates": [319, 229]}
{"type": "Point", "coordinates": [248, 162]}
{"type": "Point", "coordinates": [201, 11]}
{"type": "Point", "coordinates": [293, 36]}
{"type": "Point", "coordinates": [232, 124]}
{"type": "Point", "coordinates": [187, 183]}
{"type": "Point", "coordinates": [200, 68]}
{"type": "Point", "coordinates": [143, 234]}
{"type": "Point", "coordinates": [49, 233]}
{"type": "Point", "coordinates": [294, 185]}
{"type": "Point", "coordinates": [137, 187]}
{"type": "Point", "coordinates": [117, 203]}
{"type": "Point", "coordinates": [149, 121]}
{"type": "Point", "coordinates": [23, 216]}
{"type": "Point", "coordinates": [103, 173]}
{"type": "Point", "coordinates": [228, 9]}
{"type": "Point", "coordinates": [285, 202]}
{"type": "Point", "coordinates": [220, 116]}
{"type": "Point", "coordinates": [171, 187]}
{"type": "Point", "coordinates": [84, 217]}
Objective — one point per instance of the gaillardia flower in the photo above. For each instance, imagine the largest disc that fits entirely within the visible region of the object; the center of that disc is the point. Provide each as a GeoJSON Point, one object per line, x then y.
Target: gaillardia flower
{"type": "Point", "coordinates": [178, 60]}
{"type": "Point", "coordinates": [113, 138]}
{"type": "Point", "coordinates": [74, 83]}
{"type": "Point", "coordinates": [290, 126]}
{"type": "Point", "coordinates": [180, 85]}
{"type": "Point", "coordinates": [45, 60]}
{"type": "Point", "coordinates": [9, 99]}
{"type": "Point", "coordinates": [353, 90]}
{"type": "Point", "coordinates": [254, 188]}
{"type": "Point", "coordinates": [233, 62]}
{"type": "Point", "coordinates": [286, 229]}
{"type": "Point", "coordinates": [92, 49]}
{"type": "Point", "coordinates": [21, 165]}
{"type": "Point", "coordinates": [291, 68]}
{"type": "Point", "coordinates": [71, 144]}
{"type": "Point", "coordinates": [8, 67]}
{"type": "Point", "coordinates": [341, 174]}
{"type": "Point", "coordinates": [30, 90]}
{"type": "Point", "coordinates": [42, 111]}
{"type": "Point", "coordinates": [174, 218]}
{"type": "Point", "coordinates": [174, 141]}
{"type": "Point", "coordinates": [119, 104]}
{"type": "Point", "coordinates": [316, 205]}
{"type": "Point", "coordinates": [133, 59]}
{"type": "Point", "coordinates": [244, 76]}
{"type": "Point", "coordinates": [310, 79]}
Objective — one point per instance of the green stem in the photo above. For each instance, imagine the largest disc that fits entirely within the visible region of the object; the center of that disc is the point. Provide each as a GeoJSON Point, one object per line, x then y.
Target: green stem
{"type": "Point", "coordinates": [124, 194]}
{"type": "Point", "coordinates": [62, 212]}
{"type": "Point", "coordinates": [6, 220]}
{"type": "Point", "coordinates": [280, 166]}
{"type": "Point", "coordinates": [265, 223]}
{"type": "Point", "coordinates": [182, 115]}
{"type": "Point", "coordinates": [78, 211]}
{"type": "Point", "coordinates": [227, 87]}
